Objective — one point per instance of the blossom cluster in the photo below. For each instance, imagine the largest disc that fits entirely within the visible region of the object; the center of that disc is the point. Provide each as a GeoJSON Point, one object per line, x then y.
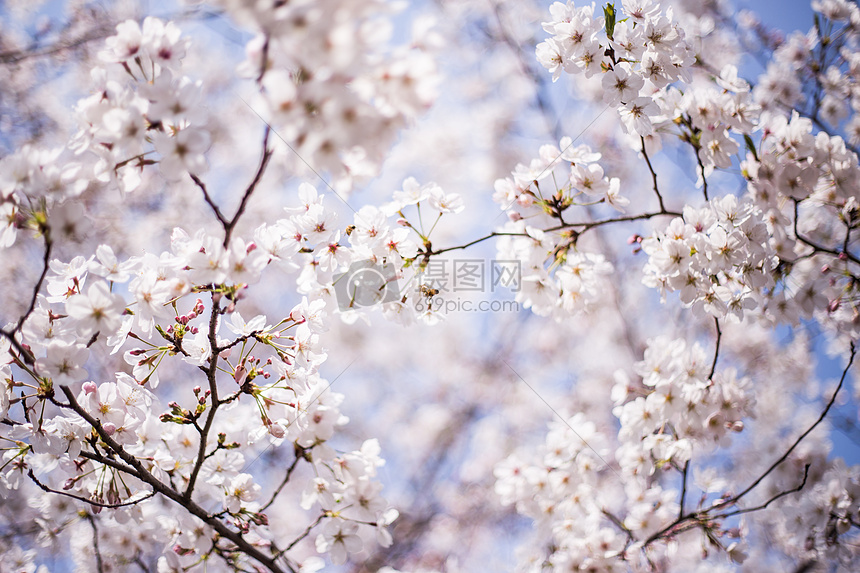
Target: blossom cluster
{"type": "Point", "coordinates": [332, 86]}
{"type": "Point", "coordinates": [639, 55]}
{"type": "Point", "coordinates": [557, 278]}
{"type": "Point", "coordinates": [119, 439]}
{"type": "Point", "coordinates": [688, 407]}
{"type": "Point", "coordinates": [325, 252]}
{"type": "Point", "coordinates": [293, 406]}
{"type": "Point", "coordinates": [597, 517]}
{"type": "Point", "coordinates": [806, 185]}
{"type": "Point", "coordinates": [718, 258]}
{"type": "Point", "coordinates": [142, 105]}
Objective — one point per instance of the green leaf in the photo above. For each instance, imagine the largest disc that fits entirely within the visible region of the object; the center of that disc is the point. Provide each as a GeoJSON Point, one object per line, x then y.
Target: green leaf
{"type": "Point", "coordinates": [609, 13]}
{"type": "Point", "coordinates": [750, 146]}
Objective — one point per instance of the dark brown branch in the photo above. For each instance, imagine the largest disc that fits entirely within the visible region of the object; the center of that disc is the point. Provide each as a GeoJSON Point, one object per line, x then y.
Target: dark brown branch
{"type": "Point", "coordinates": [208, 198]}
{"type": "Point", "coordinates": [585, 226]}
{"type": "Point", "coordinates": [92, 502]}
{"type": "Point", "coordinates": [683, 489]}
{"type": "Point", "coordinates": [304, 534]}
{"type": "Point", "coordinates": [106, 461]}
{"type": "Point", "coordinates": [696, 149]}
{"type": "Point", "coordinates": [653, 174]}
{"type": "Point", "coordinates": [285, 480]}
{"type": "Point", "coordinates": [23, 352]}
{"type": "Point", "coordinates": [144, 475]}
{"type": "Point", "coordinates": [694, 519]}
{"type": "Point", "coordinates": [798, 440]}
{"type": "Point", "coordinates": [239, 341]}
{"type": "Point", "coordinates": [815, 246]}
{"type": "Point", "coordinates": [99, 563]}
{"type": "Point", "coordinates": [230, 224]}
{"type": "Point", "coordinates": [476, 241]}
{"type": "Point", "coordinates": [771, 500]}
{"type": "Point", "coordinates": [716, 348]}
{"type": "Point", "coordinates": [261, 168]}
{"type": "Point", "coordinates": [46, 261]}
{"type": "Point", "coordinates": [619, 524]}
{"type": "Point", "coordinates": [213, 389]}
{"type": "Point", "coordinates": [13, 57]}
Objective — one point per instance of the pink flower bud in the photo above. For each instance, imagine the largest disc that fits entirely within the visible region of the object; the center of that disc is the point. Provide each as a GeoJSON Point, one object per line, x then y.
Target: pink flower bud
{"type": "Point", "coordinates": [109, 428]}
{"type": "Point", "coordinates": [90, 387]}
{"type": "Point", "coordinates": [276, 430]}
{"type": "Point", "coordinates": [514, 216]}
{"type": "Point", "coordinates": [240, 374]}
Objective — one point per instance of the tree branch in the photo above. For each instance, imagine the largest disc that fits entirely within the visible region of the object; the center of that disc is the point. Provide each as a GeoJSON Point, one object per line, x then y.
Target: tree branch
{"type": "Point", "coordinates": [99, 563]}
{"type": "Point", "coordinates": [144, 475]}
{"type": "Point", "coordinates": [771, 500]}
{"type": "Point", "coordinates": [694, 519]}
{"type": "Point", "coordinates": [653, 174]}
{"type": "Point", "coordinates": [261, 168]}
{"type": "Point", "coordinates": [92, 502]}
{"type": "Point", "coordinates": [798, 440]}
{"type": "Point", "coordinates": [716, 348]}
{"type": "Point", "coordinates": [285, 480]}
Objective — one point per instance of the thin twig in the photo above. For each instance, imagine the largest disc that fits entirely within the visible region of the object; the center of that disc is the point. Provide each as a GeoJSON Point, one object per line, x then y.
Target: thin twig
{"type": "Point", "coordinates": [208, 198]}
{"type": "Point", "coordinates": [92, 502]}
{"type": "Point", "coordinates": [694, 519]}
{"type": "Point", "coordinates": [798, 440]}
{"type": "Point", "coordinates": [304, 534]}
{"type": "Point", "coordinates": [702, 167]}
{"type": "Point", "coordinates": [46, 262]}
{"type": "Point", "coordinates": [771, 500]}
{"type": "Point", "coordinates": [261, 169]}
{"type": "Point", "coordinates": [716, 348]}
{"type": "Point", "coordinates": [818, 247]}
{"type": "Point", "coordinates": [144, 475]}
{"type": "Point", "coordinates": [213, 396]}
{"type": "Point", "coordinates": [583, 226]}
{"type": "Point", "coordinates": [653, 174]}
{"type": "Point", "coordinates": [99, 563]}
{"type": "Point", "coordinates": [285, 480]}
{"type": "Point", "coordinates": [683, 489]}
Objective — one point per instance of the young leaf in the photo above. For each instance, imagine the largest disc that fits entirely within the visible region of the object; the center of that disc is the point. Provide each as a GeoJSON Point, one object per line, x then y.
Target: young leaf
{"type": "Point", "coordinates": [609, 13]}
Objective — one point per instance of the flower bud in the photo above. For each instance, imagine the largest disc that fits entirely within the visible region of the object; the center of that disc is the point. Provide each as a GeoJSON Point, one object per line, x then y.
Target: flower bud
{"type": "Point", "coordinates": [276, 430]}
{"type": "Point", "coordinates": [90, 387]}
{"type": "Point", "coordinates": [240, 374]}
